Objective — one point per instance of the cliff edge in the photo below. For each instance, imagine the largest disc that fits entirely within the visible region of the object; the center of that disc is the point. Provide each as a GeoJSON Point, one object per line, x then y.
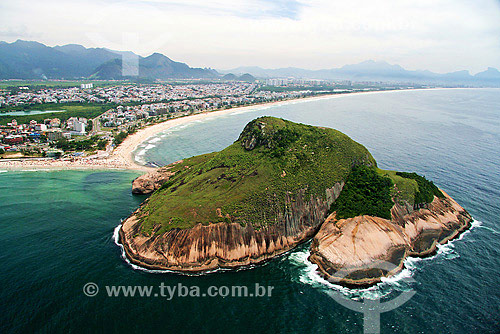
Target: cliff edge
{"type": "Point", "coordinates": [279, 184]}
{"type": "Point", "coordinates": [261, 196]}
{"type": "Point", "coordinates": [355, 251]}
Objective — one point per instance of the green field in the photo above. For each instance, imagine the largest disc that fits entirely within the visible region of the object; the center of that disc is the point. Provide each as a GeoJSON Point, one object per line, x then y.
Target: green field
{"type": "Point", "coordinates": [38, 84]}
{"type": "Point", "coordinates": [71, 110]}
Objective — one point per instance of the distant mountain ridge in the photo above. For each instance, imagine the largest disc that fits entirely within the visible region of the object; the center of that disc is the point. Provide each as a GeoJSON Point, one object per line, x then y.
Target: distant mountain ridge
{"type": "Point", "coordinates": [375, 71]}
{"type": "Point", "coordinates": [155, 66]}
{"type": "Point", "coordinates": [33, 60]}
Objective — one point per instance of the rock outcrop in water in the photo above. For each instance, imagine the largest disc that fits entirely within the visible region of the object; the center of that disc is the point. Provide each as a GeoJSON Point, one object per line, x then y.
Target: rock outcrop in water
{"type": "Point", "coordinates": [226, 245]}
{"type": "Point", "coordinates": [354, 251]}
{"type": "Point", "coordinates": [148, 183]}
{"type": "Point", "coordinates": [273, 189]}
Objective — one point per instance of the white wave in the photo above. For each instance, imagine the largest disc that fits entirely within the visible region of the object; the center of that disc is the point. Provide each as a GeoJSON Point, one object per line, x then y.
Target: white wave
{"type": "Point", "coordinates": [139, 156]}
{"type": "Point", "coordinates": [308, 271]}
{"type": "Point", "coordinates": [309, 275]}
{"type": "Point", "coordinates": [181, 126]}
{"type": "Point", "coordinates": [3, 171]}
{"type": "Point", "coordinates": [116, 239]}
{"type": "Point", "coordinates": [155, 140]}
{"type": "Point", "coordinates": [243, 111]}
{"type": "Point", "coordinates": [489, 229]}
{"type": "Point", "coordinates": [140, 160]}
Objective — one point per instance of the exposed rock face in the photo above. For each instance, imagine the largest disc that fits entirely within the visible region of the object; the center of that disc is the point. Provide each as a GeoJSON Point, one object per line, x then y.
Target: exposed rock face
{"type": "Point", "coordinates": [226, 245]}
{"type": "Point", "coordinates": [147, 183]}
{"type": "Point", "coordinates": [253, 135]}
{"type": "Point", "coordinates": [349, 251]}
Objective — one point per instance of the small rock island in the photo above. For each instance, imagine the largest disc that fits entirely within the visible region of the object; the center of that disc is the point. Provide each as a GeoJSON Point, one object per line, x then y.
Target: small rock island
{"type": "Point", "coordinates": [280, 184]}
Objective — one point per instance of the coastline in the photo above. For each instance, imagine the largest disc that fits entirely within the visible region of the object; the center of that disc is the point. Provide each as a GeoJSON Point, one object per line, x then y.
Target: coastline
{"type": "Point", "coordinates": [124, 150]}
{"type": "Point", "coordinates": [122, 156]}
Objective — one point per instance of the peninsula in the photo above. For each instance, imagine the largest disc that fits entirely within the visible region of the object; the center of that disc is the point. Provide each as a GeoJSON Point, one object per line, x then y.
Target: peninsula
{"type": "Point", "coordinates": [280, 184]}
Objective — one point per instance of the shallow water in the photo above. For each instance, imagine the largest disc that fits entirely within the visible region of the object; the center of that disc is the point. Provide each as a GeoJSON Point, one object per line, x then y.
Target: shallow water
{"type": "Point", "coordinates": [57, 231]}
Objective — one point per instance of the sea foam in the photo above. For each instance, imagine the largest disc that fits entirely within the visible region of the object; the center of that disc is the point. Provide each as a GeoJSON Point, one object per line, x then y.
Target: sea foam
{"type": "Point", "coordinates": [308, 272]}
{"type": "Point", "coordinates": [116, 239]}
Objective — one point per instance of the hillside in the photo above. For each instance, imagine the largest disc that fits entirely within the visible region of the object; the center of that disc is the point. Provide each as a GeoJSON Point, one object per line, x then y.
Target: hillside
{"type": "Point", "coordinates": [155, 66]}
{"type": "Point", "coordinates": [272, 189]}
{"type": "Point", "coordinates": [33, 60]}
{"type": "Point", "coordinates": [249, 181]}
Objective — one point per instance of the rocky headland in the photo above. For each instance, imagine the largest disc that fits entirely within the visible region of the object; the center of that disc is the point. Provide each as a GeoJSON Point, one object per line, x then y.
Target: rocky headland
{"type": "Point", "coordinates": [356, 251]}
{"type": "Point", "coordinates": [281, 184]}
{"type": "Point", "coordinates": [149, 182]}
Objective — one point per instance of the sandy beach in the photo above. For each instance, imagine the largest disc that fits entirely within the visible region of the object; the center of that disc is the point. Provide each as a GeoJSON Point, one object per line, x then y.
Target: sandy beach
{"type": "Point", "coordinates": [121, 157]}
{"type": "Point", "coordinates": [124, 151]}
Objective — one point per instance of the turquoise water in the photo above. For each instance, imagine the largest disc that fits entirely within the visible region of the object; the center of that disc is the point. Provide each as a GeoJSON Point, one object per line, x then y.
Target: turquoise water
{"type": "Point", "coordinates": [57, 231]}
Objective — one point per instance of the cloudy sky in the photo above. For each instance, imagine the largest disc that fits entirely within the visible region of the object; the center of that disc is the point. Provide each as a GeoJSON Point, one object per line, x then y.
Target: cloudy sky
{"type": "Point", "coordinates": [439, 35]}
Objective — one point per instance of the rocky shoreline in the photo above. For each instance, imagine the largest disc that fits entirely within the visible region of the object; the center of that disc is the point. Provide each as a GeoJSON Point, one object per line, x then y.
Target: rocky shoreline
{"type": "Point", "coordinates": [356, 251]}
{"type": "Point", "coordinates": [225, 245]}
{"type": "Point", "coordinates": [351, 246]}
{"type": "Point", "coordinates": [236, 207]}
{"type": "Point", "coordinates": [348, 246]}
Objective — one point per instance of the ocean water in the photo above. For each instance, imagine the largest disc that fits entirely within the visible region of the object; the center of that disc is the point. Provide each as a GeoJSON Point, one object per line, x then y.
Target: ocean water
{"type": "Point", "coordinates": [56, 232]}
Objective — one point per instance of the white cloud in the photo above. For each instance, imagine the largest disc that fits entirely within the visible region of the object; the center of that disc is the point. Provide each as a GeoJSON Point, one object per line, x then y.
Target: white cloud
{"type": "Point", "coordinates": [440, 35]}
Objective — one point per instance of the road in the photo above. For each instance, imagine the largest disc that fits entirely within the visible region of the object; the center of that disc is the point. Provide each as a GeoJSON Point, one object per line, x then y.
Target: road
{"type": "Point", "coordinates": [96, 125]}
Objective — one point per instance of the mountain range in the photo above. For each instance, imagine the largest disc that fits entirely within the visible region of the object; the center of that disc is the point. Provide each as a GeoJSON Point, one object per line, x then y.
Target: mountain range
{"type": "Point", "coordinates": [34, 60]}
{"type": "Point", "coordinates": [371, 70]}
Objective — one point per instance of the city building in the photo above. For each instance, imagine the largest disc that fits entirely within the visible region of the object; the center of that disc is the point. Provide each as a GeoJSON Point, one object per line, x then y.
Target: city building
{"type": "Point", "coordinates": [13, 139]}
{"type": "Point", "coordinates": [86, 85]}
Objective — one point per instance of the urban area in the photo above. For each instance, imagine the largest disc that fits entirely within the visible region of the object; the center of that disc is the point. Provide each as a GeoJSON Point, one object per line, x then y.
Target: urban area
{"type": "Point", "coordinates": [122, 109]}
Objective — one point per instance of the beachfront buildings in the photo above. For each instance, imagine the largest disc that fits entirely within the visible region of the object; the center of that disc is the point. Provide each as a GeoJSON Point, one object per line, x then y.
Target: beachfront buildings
{"type": "Point", "coordinates": [228, 93]}
{"type": "Point", "coordinates": [77, 125]}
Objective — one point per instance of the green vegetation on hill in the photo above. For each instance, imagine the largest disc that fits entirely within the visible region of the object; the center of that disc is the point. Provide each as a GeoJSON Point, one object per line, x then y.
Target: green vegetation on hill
{"type": "Point", "coordinates": [365, 193]}
{"type": "Point", "coordinates": [426, 189]}
{"type": "Point", "coordinates": [255, 179]}
{"type": "Point", "coordinates": [404, 189]}
{"type": "Point", "coordinates": [373, 191]}
{"type": "Point", "coordinates": [249, 181]}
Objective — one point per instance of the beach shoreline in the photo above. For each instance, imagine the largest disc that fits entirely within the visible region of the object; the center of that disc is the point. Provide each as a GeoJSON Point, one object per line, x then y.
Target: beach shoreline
{"type": "Point", "coordinates": [122, 156]}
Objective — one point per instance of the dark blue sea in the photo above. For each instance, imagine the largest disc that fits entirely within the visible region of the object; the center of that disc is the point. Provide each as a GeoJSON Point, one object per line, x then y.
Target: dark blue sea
{"type": "Point", "coordinates": [57, 227]}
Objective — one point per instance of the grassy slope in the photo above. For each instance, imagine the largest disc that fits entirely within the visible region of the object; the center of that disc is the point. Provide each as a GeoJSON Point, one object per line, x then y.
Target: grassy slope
{"type": "Point", "coordinates": [405, 188]}
{"type": "Point", "coordinates": [251, 185]}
